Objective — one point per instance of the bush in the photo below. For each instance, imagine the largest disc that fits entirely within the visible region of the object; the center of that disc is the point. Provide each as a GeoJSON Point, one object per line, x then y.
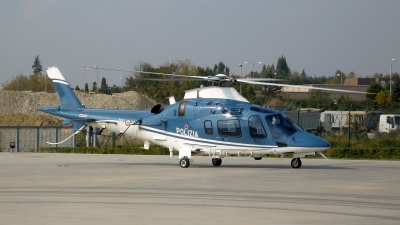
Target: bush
{"type": "Point", "coordinates": [366, 149]}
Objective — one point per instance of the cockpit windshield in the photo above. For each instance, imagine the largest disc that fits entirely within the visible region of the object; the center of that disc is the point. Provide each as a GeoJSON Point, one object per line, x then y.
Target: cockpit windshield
{"type": "Point", "coordinates": [280, 126]}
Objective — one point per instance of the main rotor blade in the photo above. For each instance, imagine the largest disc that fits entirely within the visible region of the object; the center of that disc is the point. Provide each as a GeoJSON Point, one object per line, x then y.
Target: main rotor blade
{"type": "Point", "coordinates": [258, 79]}
{"type": "Point", "coordinates": [145, 72]}
{"type": "Point", "coordinates": [169, 79]}
{"type": "Point", "coordinates": [215, 78]}
{"type": "Point", "coordinates": [305, 87]}
{"type": "Point", "coordinates": [102, 68]}
{"type": "Point", "coordinates": [170, 74]}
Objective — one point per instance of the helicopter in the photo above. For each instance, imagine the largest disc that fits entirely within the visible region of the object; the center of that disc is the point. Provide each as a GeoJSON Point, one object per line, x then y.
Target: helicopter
{"type": "Point", "coordinates": [211, 121]}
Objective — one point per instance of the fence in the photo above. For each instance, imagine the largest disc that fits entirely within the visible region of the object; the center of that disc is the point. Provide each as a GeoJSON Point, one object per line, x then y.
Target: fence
{"type": "Point", "coordinates": [27, 138]}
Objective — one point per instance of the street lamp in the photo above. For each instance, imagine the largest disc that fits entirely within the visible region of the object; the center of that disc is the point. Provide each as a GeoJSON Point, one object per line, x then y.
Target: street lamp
{"type": "Point", "coordinates": [253, 67]}
{"type": "Point", "coordinates": [341, 78]}
{"type": "Point", "coordinates": [16, 77]}
{"type": "Point", "coordinates": [391, 77]}
{"type": "Point", "coordinates": [97, 82]}
{"type": "Point", "coordinates": [84, 79]}
{"type": "Point", "coordinates": [241, 77]}
{"type": "Point", "coordinates": [140, 65]}
{"type": "Point", "coordinates": [121, 83]}
{"type": "Point", "coordinates": [45, 82]}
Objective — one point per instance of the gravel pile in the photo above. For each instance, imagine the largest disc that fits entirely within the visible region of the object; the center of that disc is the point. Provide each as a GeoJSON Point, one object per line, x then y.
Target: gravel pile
{"type": "Point", "coordinates": [19, 107]}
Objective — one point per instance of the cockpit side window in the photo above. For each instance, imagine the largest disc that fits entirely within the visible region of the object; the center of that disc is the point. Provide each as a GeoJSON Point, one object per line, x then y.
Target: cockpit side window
{"type": "Point", "coordinates": [256, 128]}
{"type": "Point", "coordinates": [280, 126]}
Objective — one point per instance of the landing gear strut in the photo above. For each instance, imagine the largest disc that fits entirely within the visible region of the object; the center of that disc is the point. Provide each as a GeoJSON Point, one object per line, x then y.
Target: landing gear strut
{"type": "Point", "coordinates": [216, 161]}
{"type": "Point", "coordinates": [296, 163]}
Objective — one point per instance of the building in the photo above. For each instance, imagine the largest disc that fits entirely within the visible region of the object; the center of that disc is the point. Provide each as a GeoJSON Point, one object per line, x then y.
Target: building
{"type": "Point", "coordinates": [366, 81]}
{"type": "Point", "coordinates": [303, 93]}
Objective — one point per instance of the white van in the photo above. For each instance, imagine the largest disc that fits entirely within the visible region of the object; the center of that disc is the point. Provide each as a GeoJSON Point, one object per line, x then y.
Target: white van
{"type": "Point", "coordinates": [389, 122]}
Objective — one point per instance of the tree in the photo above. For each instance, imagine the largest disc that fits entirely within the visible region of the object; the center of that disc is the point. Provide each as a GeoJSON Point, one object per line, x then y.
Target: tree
{"type": "Point", "coordinates": [94, 86]}
{"type": "Point", "coordinates": [248, 91]}
{"type": "Point", "coordinates": [337, 78]}
{"type": "Point", "coordinates": [320, 99]}
{"type": "Point", "coordinates": [37, 67]}
{"type": "Point", "coordinates": [383, 97]}
{"type": "Point", "coordinates": [282, 68]}
{"type": "Point", "coordinates": [34, 83]}
{"type": "Point", "coordinates": [303, 74]}
{"type": "Point", "coordinates": [115, 89]}
{"type": "Point", "coordinates": [221, 69]}
{"type": "Point", "coordinates": [18, 83]}
{"type": "Point", "coordinates": [86, 88]}
{"type": "Point", "coordinates": [104, 86]}
{"type": "Point", "coordinates": [268, 71]}
{"type": "Point", "coordinates": [227, 71]}
{"type": "Point", "coordinates": [373, 88]}
{"type": "Point", "coordinates": [31, 83]}
{"type": "Point", "coordinates": [271, 91]}
{"type": "Point", "coordinates": [351, 74]}
{"type": "Point", "coordinates": [77, 88]}
{"type": "Point", "coordinates": [396, 87]}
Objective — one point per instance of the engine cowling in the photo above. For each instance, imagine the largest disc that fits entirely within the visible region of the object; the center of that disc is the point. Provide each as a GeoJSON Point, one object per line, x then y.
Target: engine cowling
{"type": "Point", "coordinates": [158, 108]}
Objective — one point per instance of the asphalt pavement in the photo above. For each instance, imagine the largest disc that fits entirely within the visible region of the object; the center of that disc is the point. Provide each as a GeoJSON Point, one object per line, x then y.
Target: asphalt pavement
{"type": "Point", "coordinates": [70, 189]}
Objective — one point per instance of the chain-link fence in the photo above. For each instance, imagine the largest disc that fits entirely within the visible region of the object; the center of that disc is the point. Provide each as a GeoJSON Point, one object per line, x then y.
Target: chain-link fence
{"type": "Point", "coordinates": [30, 138]}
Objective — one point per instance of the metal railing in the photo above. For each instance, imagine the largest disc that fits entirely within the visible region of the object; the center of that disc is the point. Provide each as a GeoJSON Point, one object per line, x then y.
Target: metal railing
{"type": "Point", "coordinates": [28, 138]}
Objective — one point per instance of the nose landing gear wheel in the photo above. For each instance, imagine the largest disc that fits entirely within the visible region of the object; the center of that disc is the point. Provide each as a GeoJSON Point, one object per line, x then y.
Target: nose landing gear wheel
{"type": "Point", "coordinates": [216, 161]}
{"type": "Point", "coordinates": [296, 163]}
{"type": "Point", "coordinates": [184, 162]}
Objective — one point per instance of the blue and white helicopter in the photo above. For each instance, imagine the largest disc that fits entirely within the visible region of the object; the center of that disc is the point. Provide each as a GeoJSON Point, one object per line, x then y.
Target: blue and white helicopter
{"type": "Point", "coordinates": [212, 121]}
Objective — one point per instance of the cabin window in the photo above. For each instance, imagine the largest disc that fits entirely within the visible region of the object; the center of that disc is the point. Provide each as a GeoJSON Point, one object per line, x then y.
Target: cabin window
{"type": "Point", "coordinates": [229, 128]}
{"type": "Point", "coordinates": [208, 127]}
{"type": "Point", "coordinates": [256, 128]}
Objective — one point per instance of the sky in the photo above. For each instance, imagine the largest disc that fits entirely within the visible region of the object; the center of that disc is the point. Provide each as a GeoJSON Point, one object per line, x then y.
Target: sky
{"type": "Point", "coordinates": [319, 36]}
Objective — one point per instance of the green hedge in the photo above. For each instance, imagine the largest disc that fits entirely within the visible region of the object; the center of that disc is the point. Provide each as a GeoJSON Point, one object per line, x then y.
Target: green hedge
{"type": "Point", "coordinates": [365, 149]}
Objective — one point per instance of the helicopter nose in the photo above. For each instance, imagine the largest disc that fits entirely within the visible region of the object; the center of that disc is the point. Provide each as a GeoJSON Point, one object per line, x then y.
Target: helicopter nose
{"type": "Point", "coordinates": [304, 139]}
{"type": "Point", "coordinates": [319, 142]}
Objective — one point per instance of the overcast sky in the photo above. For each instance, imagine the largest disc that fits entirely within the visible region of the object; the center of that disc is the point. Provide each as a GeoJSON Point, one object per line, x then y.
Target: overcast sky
{"type": "Point", "coordinates": [316, 35]}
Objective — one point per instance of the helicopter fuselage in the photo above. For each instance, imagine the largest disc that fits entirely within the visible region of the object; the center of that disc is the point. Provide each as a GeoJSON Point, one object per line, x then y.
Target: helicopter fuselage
{"type": "Point", "coordinates": [217, 122]}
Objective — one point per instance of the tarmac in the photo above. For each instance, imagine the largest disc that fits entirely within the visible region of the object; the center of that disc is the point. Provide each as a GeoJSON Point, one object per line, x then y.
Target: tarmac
{"type": "Point", "coordinates": [70, 189]}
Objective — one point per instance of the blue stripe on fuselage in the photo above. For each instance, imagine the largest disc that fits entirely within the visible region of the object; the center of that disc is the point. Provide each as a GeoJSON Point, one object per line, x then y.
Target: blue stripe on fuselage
{"type": "Point", "coordinates": [205, 141]}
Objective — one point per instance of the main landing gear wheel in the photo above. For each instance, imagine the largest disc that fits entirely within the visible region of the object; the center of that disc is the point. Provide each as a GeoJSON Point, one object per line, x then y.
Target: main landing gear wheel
{"type": "Point", "coordinates": [296, 163]}
{"type": "Point", "coordinates": [184, 162]}
{"type": "Point", "coordinates": [216, 161]}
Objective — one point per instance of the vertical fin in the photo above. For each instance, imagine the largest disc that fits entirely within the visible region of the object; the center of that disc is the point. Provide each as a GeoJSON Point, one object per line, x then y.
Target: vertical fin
{"type": "Point", "coordinates": [69, 101]}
